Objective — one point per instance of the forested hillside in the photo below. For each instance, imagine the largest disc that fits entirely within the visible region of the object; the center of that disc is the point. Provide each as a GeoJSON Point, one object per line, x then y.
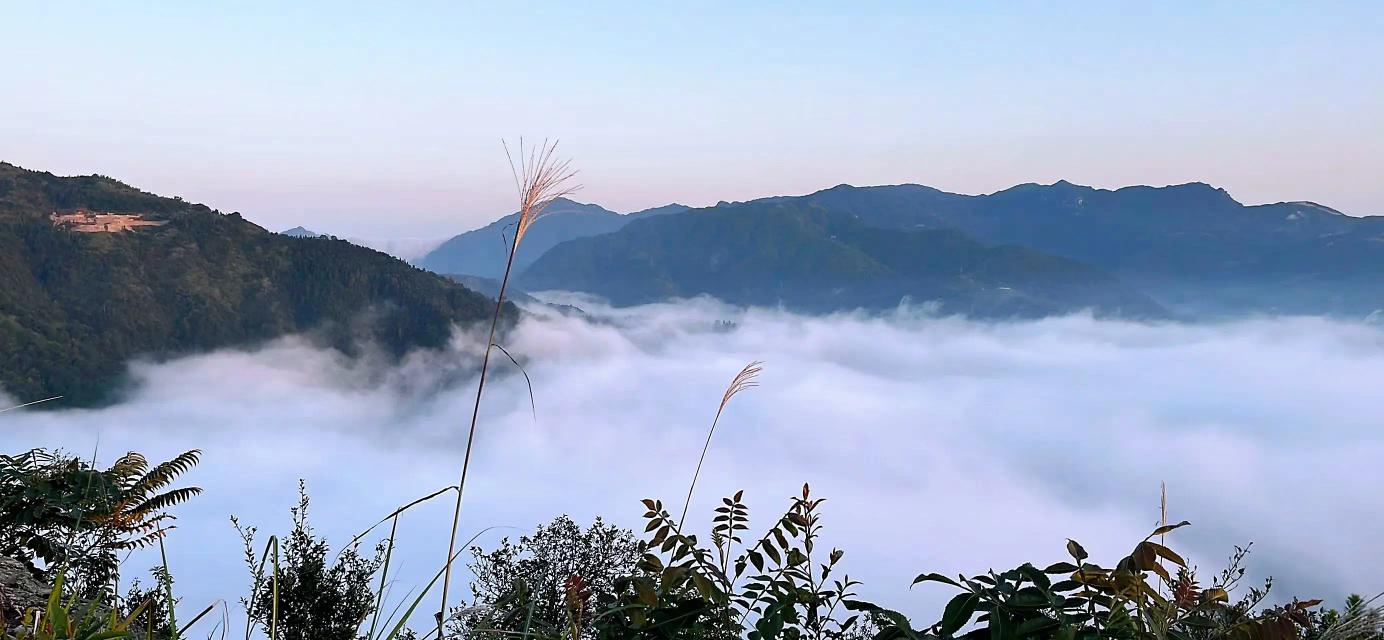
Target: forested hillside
{"type": "Point", "coordinates": [75, 307]}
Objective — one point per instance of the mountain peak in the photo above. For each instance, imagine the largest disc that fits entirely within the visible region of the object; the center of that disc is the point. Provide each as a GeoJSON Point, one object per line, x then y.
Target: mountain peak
{"type": "Point", "coordinates": [1185, 194]}
{"type": "Point", "coordinates": [1320, 207]}
{"type": "Point", "coordinates": [300, 232]}
{"type": "Point", "coordinates": [566, 205]}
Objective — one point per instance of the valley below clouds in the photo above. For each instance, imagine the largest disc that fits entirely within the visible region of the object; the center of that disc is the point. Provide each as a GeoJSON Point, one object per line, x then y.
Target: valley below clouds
{"type": "Point", "coordinates": [940, 444]}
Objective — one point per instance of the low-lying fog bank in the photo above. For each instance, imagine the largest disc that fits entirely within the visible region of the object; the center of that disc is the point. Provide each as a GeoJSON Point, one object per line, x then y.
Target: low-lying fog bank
{"type": "Point", "coordinates": [940, 444]}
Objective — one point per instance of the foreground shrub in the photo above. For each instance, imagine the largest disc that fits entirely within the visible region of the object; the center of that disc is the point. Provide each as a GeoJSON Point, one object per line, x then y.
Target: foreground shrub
{"type": "Point", "coordinates": [561, 567]}
{"type": "Point", "coordinates": [307, 597]}
{"type": "Point", "coordinates": [60, 510]}
{"type": "Point", "coordinates": [782, 586]}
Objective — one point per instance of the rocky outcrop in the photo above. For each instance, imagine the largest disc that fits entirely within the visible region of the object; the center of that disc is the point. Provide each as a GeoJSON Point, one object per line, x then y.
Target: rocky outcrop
{"type": "Point", "coordinates": [19, 591]}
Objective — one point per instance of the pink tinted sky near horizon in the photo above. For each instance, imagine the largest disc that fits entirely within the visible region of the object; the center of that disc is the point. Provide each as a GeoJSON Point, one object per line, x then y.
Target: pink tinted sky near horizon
{"type": "Point", "coordinates": [378, 121]}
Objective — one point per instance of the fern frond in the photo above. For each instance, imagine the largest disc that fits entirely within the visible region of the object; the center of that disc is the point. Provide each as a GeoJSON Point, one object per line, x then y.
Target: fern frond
{"type": "Point", "coordinates": [163, 474]}
{"type": "Point", "coordinates": [167, 499]}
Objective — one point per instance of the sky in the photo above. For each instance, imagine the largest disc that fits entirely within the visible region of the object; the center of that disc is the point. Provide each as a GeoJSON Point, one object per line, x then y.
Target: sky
{"type": "Point", "coordinates": [385, 119]}
{"type": "Point", "coordinates": [939, 444]}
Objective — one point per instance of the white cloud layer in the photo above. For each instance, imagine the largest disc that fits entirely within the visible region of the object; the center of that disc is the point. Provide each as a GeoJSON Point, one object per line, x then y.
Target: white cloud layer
{"type": "Point", "coordinates": [940, 444]}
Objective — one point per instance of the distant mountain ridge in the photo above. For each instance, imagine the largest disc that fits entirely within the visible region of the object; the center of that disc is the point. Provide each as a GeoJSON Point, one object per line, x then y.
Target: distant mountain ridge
{"type": "Point", "coordinates": [1081, 222]}
{"type": "Point", "coordinates": [809, 258]}
{"type": "Point", "coordinates": [1192, 246]}
{"type": "Point", "coordinates": [484, 252]}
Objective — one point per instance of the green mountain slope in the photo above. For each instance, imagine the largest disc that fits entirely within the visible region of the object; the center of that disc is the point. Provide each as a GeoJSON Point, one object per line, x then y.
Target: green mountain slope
{"type": "Point", "coordinates": [75, 307]}
{"type": "Point", "coordinates": [484, 252]}
{"type": "Point", "coordinates": [809, 258]}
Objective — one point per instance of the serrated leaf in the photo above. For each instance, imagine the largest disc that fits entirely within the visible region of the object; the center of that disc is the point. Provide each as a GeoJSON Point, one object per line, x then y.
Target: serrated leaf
{"type": "Point", "coordinates": [1029, 598]}
{"type": "Point", "coordinates": [1001, 627]}
{"type": "Point", "coordinates": [957, 613]}
{"type": "Point", "coordinates": [1035, 576]}
{"type": "Point", "coordinates": [1035, 626]}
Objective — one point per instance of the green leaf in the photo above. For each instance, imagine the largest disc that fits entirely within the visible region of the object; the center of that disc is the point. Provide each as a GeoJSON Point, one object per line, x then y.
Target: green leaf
{"type": "Point", "coordinates": [644, 589]}
{"type": "Point", "coordinates": [1029, 598]}
{"type": "Point", "coordinates": [704, 586]}
{"type": "Point", "coordinates": [935, 577]}
{"type": "Point", "coordinates": [1035, 576]}
{"type": "Point", "coordinates": [1035, 626]}
{"type": "Point", "coordinates": [659, 537]}
{"type": "Point", "coordinates": [1168, 554]}
{"type": "Point", "coordinates": [1167, 528]}
{"type": "Point", "coordinates": [651, 563]}
{"type": "Point", "coordinates": [1001, 627]}
{"type": "Point", "coordinates": [957, 613]}
{"type": "Point", "coordinates": [1200, 622]}
{"type": "Point", "coordinates": [1076, 551]}
{"type": "Point", "coordinates": [1061, 567]}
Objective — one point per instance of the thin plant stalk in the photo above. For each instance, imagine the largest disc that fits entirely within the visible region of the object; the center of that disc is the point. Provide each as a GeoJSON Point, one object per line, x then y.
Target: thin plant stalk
{"type": "Point", "coordinates": [168, 588]}
{"type": "Point", "coordinates": [30, 404]}
{"type": "Point", "coordinates": [540, 179]}
{"type": "Point", "coordinates": [270, 545]}
{"type": "Point", "coordinates": [384, 573]}
{"type": "Point", "coordinates": [743, 380]}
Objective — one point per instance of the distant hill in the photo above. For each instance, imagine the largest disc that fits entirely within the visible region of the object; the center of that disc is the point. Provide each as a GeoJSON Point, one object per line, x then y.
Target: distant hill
{"type": "Point", "coordinates": [407, 249]}
{"type": "Point", "coordinates": [76, 306]}
{"type": "Point", "coordinates": [807, 257]}
{"type": "Point", "coordinates": [484, 252]}
{"type": "Point", "coordinates": [490, 287]}
{"type": "Point", "coordinates": [1191, 244]}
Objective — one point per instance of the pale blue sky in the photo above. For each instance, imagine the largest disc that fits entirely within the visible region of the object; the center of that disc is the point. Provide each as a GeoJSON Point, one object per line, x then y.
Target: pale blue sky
{"type": "Point", "coordinates": [366, 119]}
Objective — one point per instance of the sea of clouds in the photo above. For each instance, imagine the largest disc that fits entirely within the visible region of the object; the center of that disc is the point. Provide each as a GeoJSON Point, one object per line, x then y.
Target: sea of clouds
{"type": "Point", "coordinates": [941, 444]}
